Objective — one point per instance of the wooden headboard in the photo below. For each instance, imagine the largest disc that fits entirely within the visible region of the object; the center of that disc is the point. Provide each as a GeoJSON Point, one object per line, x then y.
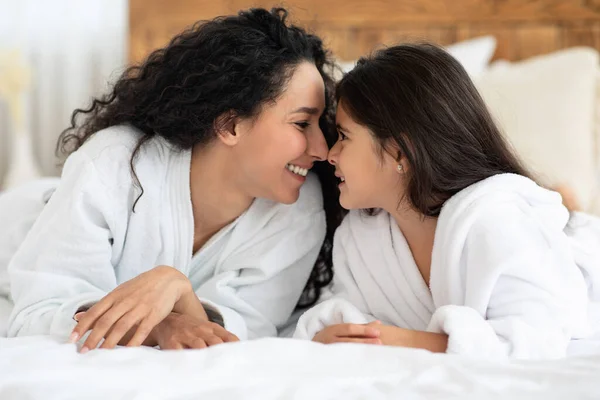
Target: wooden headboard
{"type": "Point", "coordinates": [351, 28]}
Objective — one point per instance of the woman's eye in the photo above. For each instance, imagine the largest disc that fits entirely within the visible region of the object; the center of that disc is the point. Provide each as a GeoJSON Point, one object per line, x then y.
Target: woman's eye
{"type": "Point", "coordinates": [303, 125]}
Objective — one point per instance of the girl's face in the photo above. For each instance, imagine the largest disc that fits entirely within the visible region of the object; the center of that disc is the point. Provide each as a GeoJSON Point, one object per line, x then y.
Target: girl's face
{"type": "Point", "coordinates": [278, 147]}
{"type": "Point", "coordinates": [369, 177]}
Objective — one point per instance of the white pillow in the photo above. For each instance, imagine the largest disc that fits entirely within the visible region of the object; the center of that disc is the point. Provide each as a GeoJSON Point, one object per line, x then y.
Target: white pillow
{"type": "Point", "coordinates": [546, 106]}
{"type": "Point", "coordinates": [5, 142]}
{"type": "Point", "coordinates": [595, 204]}
{"type": "Point", "coordinates": [473, 54]}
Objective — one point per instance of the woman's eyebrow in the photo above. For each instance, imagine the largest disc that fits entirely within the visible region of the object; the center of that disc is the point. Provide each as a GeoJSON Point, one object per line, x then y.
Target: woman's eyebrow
{"type": "Point", "coordinates": [307, 110]}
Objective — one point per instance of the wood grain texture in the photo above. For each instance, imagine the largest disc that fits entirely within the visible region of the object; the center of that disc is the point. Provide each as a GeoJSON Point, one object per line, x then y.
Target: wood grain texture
{"type": "Point", "coordinates": [352, 28]}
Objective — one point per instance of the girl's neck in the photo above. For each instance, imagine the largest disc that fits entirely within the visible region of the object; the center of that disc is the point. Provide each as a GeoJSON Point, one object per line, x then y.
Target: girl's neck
{"type": "Point", "coordinates": [419, 232]}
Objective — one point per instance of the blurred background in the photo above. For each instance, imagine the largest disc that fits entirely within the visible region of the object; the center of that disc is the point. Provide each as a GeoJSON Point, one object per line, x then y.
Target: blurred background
{"type": "Point", "coordinates": [535, 63]}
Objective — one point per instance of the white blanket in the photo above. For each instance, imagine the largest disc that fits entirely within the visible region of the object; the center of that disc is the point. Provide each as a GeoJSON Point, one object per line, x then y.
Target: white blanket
{"type": "Point", "coordinates": [42, 368]}
{"type": "Point", "coordinates": [505, 278]}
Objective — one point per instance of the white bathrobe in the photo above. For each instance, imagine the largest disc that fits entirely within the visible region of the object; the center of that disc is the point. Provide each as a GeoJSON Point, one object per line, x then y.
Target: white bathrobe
{"type": "Point", "coordinates": [87, 240]}
{"type": "Point", "coordinates": [505, 280]}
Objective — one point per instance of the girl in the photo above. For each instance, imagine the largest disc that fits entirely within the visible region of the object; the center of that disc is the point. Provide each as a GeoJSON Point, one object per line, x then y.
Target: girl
{"type": "Point", "coordinates": [187, 215]}
{"type": "Point", "coordinates": [460, 251]}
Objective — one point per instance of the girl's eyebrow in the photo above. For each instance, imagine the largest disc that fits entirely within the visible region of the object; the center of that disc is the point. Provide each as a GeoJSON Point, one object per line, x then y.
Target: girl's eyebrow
{"type": "Point", "coordinates": [341, 128]}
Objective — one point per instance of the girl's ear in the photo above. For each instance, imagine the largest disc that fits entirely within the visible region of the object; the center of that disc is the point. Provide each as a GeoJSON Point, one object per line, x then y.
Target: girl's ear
{"type": "Point", "coordinates": [402, 165]}
{"type": "Point", "coordinates": [400, 162]}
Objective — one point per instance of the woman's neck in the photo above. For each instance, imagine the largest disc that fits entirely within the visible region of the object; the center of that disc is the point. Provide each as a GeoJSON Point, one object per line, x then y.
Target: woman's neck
{"type": "Point", "coordinates": [217, 194]}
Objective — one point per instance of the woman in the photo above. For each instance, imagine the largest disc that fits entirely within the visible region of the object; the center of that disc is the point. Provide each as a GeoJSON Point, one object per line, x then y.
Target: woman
{"type": "Point", "coordinates": [187, 214]}
{"type": "Point", "coordinates": [461, 251]}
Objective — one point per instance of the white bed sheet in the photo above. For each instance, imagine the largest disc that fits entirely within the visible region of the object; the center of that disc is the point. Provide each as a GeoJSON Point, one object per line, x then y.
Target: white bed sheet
{"type": "Point", "coordinates": [44, 368]}
{"type": "Point", "coordinates": [6, 307]}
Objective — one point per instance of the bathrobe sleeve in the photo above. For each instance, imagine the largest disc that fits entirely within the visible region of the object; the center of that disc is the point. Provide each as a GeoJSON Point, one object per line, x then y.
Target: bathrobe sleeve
{"type": "Point", "coordinates": [347, 304]}
{"type": "Point", "coordinates": [523, 295]}
{"type": "Point", "coordinates": [65, 261]}
{"type": "Point", "coordinates": [260, 282]}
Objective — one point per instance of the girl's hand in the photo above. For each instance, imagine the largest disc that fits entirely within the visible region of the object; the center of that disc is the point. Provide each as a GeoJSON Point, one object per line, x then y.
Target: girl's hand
{"type": "Point", "coordinates": [394, 336]}
{"type": "Point", "coordinates": [350, 333]}
{"type": "Point", "coordinates": [140, 303]}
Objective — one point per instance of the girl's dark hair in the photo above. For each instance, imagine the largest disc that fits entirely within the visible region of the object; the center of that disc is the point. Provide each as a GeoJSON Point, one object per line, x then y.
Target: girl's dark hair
{"type": "Point", "coordinates": [229, 64]}
{"type": "Point", "coordinates": [417, 98]}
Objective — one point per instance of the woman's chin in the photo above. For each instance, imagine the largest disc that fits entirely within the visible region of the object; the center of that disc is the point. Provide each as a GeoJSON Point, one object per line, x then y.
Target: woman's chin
{"type": "Point", "coordinates": [288, 196]}
{"type": "Point", "coordinates": [346, 201]}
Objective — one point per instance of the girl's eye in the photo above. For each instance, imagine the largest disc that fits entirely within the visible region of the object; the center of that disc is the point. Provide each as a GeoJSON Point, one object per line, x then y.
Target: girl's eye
{"type": "Point", "coordinates": [342, 136]}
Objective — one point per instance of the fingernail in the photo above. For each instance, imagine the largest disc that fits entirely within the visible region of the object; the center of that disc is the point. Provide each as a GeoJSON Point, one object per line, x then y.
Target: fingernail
{"type": "Point", "coordinates": [78, 315]}
{"type": "Point", "coordinates": [84, 350]}
{"type": "Point", "coordinates": [74, 337]}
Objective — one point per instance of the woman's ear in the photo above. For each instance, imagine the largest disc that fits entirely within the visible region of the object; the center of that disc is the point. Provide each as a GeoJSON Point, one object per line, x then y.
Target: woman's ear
{"type": "Point", "coordinates": [226, 128]}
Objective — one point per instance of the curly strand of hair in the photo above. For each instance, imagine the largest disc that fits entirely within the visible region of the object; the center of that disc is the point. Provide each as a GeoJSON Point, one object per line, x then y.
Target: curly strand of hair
{"type": "Point", "coordinates": [136, 180]}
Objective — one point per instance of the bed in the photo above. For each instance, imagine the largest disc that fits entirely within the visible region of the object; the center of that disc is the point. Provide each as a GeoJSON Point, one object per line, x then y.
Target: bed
{"type": "Point", "coordinates": [45, 368]}
{"type": "Point", "coordinates": [529, 37]}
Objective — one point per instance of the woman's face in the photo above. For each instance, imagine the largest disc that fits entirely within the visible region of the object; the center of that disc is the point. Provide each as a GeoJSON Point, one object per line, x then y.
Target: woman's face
{"type": "Point", "coordinates": [368, 180]}
{"type": "Point", "coordinates": [278, 147]}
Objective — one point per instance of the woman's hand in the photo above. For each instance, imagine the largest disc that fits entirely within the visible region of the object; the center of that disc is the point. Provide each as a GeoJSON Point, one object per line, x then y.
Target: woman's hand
{"type": "Point", "coordinates": [179, 331]}
{"type": "Point", "coordinates": [350, 333]}
{"type": "Point", "coordinates": [140, 303]}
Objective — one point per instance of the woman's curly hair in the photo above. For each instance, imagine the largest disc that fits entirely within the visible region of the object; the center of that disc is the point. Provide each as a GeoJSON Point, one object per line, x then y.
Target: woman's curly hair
{"type": "Point", "coordinates": [229, 64]}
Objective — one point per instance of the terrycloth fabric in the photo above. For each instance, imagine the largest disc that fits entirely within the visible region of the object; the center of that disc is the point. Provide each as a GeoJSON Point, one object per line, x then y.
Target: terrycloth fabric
{"type": "Point", "coordinates": [505, 279]}
{"type": "Point", "coordinates": [87, 240]}
{"type": "Point", "coordinates": [19, 208]}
